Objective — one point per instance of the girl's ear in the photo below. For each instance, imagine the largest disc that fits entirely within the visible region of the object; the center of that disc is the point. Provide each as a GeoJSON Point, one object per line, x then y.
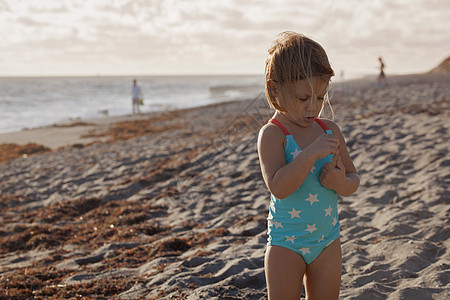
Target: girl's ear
{"type": "Point", "coordinates": [274, 89]}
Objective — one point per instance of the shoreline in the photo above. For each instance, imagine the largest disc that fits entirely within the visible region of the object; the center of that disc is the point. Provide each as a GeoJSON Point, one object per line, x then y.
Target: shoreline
{"type": "Point", "coordinates": [77, 132]}
{"type": "Point", "coordinates": [82, 98]}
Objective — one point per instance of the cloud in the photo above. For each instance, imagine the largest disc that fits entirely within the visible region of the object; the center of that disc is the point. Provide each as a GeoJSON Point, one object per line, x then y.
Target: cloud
{"type": "Point", "coordinates": [4, 6]}
{"type": "Point", "coordinates": [211, 36]}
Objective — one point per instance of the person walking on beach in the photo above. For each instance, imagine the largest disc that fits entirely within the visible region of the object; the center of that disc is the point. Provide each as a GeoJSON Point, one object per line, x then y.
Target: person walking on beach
{"type": "Point", "coordinates": [381, 76]}
{"type": "Point", "coordinates": [137, 97]}
{"type": "Point", "coordinates": [305, 165]}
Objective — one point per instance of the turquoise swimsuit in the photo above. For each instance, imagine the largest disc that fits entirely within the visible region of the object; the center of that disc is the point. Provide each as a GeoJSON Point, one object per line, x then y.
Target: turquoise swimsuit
{"type": "Point", "coordinates": [307, 220]}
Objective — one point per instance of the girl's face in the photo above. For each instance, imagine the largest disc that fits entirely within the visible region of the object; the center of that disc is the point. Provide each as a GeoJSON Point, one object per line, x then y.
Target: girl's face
{"type": "Point", "coordinates": [303, 100]}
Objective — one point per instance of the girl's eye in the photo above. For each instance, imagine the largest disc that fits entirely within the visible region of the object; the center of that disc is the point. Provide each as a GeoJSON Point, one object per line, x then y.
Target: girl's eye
{"type": "Point", "coordinates": [318, 98]}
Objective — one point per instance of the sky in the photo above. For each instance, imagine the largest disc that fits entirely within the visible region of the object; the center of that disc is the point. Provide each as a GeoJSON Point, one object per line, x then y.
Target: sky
{"type": "Point", "coordinates": [188, 37]}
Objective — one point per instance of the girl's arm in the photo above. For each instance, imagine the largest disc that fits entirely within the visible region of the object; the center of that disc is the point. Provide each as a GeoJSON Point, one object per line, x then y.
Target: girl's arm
{"type": "Point", "coordinates": [343, 178]}
{"type": "Point", "coordinates": [283, 179]}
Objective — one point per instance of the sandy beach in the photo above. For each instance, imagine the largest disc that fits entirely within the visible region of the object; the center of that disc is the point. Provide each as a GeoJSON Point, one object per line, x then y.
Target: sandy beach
{"type": "Point", "coordinates": [173, 205]}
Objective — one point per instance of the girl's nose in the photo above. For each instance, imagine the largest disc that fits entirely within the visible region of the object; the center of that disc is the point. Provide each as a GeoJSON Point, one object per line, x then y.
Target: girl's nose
{"type": "Point", "coordinates": [312, 102]}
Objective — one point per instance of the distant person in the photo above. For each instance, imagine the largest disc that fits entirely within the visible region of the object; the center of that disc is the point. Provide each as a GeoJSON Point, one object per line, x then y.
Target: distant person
{"type": "Point", "coordinates": [382, 76]}
{"type": "Point", "coordinates": [137, 97]}
{"type": "Point", "coordinates": [305, 165]}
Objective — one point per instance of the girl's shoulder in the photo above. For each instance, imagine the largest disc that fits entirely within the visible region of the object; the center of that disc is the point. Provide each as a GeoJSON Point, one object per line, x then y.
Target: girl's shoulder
{"type": "Point", "coordinates": [271, 139]}
{"type": "Point", "coordinates": [271, 132]}
{"type": "Point", "coordinates": [271, 129]}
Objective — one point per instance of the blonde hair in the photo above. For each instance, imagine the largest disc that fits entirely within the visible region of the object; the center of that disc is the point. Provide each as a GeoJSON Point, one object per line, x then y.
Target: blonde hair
{"type": "Point", "coordinates": [294, 57]}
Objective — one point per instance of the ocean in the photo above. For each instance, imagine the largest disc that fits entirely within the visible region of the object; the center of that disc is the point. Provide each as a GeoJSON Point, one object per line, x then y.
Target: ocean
{"type": "Point", "coordinates": [30, 102]}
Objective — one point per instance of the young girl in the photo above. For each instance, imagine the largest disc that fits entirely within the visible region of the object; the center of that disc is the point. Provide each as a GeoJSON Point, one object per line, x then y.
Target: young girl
{"type": "Point", "coordinates": [305, 165]}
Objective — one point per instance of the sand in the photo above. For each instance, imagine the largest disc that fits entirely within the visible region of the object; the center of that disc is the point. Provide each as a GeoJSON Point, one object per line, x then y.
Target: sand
{"type": "Point", "coordinates": [174, 206]}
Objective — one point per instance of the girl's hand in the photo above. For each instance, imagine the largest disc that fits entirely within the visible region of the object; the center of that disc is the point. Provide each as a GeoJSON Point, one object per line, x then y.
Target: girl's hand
{"type": "Point", "coordinates": [324, 145]}
{"type": "Point", "coordinates": [333, 177]}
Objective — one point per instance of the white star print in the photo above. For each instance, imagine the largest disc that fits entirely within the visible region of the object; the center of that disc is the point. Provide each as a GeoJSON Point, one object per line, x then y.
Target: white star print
{"type": "Point", "coordinates": [295, 153]}
{"type": "Point", "coordinates": [312, 198]}
{"type": "Point", "coordinates": [304, 250]}
{"type": "Point", "coordinates": [311, 228]}
{"type": "Point", "coordinates": [277, 224]}
{"type": "Point", "coordinates": [328, 211]}
{"type": "Point", "coordinates": [334, 222]}
{"type": "Point", "coordinates": [290, 239]}
{"type": "Point", "coordinates": [321, 239]}
{"type": "Point", "coordinates": [313, 170]}
{"type": "Point", "coordinates": [294, 213]}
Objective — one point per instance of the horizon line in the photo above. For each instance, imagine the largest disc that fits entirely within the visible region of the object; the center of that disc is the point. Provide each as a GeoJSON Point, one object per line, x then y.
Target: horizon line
{"type": "Point", "coordinates": [125, 75]}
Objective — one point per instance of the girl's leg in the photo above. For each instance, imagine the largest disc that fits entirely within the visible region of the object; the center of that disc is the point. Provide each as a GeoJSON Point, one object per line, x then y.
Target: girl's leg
{"type": "Point", "coordinates": [323, 275]}
{"type": "Point", "coordinates": [284, 273]}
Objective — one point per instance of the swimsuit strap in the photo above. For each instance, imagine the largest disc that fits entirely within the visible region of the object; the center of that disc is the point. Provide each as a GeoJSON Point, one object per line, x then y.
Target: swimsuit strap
{"type": "Point", "coordinates": [273, 121]}
{"type": "Point", "coordinates": [323, 125]}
